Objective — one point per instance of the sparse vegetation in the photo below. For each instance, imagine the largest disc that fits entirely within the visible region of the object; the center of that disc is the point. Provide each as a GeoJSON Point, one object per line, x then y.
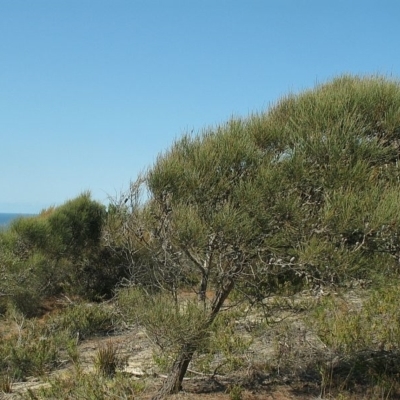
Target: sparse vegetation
{"type": "Point", "coordinates": [84, 385]}
{"type": "Point", "coordinates": [361, 342]}
{"type": "Point", "coordinates": [279, 230]}
{"type": "Point", "coordinates": [235, 392]}
{"type": "Point", "coordinates": [30, 349]}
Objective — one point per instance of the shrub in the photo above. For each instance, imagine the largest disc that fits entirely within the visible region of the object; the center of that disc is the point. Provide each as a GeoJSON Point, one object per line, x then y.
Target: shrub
{"type": "Point", "coordinates": [32, 350]}
{"type": "Point", "coordinates": [83, 385]}
{"type": "Point", "coordinates": [226, 349]}
{"type": "Point", "coordinates": [236, 392]}
{"type": "Point", "coordinates": [77, 226]}
{"type": "Point", "coordinates": [83, 320]}
{"type": "Point", "coordinates": [166, 320]}
{"type": "Point", "coordinates": [33, 234]}
{"type": "Point", "coordinates": [26, 301]}
{"type": "Point", "coordinates": [363, 339]}
{"type": "Point", "coordinates": [58, 251]}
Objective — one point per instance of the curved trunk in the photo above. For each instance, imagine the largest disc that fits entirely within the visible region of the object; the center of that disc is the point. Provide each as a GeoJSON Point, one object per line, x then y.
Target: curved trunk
{"type": "Point", "coordinates": [173, 383]}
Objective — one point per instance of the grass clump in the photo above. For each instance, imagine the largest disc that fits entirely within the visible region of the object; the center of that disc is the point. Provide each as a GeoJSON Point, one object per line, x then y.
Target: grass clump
{"type": "Point", "coordinates": [6, 384]}
{"type": "Point", "coordinates": [236, 392]}
{"type": "Point", "coordinates": [107, 360]}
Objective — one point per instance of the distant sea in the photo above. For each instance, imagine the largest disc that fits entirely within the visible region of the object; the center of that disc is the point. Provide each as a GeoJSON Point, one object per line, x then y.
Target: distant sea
{"type": "Point", "coordinates": [6, 218]}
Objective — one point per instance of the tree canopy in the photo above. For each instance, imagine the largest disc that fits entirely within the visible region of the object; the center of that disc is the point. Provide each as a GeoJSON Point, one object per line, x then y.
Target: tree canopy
{"type": "Point", "coordinates": [313, 180]}
{"type": "Point", "coordinates": [304, 193]}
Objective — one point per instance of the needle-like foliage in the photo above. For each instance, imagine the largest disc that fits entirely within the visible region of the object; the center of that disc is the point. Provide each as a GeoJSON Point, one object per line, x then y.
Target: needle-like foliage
{"type": "Point", "coordinates": [305, 193]}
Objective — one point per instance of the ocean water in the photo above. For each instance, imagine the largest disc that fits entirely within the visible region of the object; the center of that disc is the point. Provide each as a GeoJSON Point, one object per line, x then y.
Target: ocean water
{"type": "Point", "coordinates": [6, 218]}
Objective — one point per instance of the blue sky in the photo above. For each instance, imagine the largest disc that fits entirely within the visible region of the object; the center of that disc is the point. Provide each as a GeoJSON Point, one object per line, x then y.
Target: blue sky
{"type": "Point", "coordinates": [92, 90]}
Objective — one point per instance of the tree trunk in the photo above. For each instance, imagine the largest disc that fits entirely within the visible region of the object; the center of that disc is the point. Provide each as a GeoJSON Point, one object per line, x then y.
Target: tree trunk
{"type": "Point", "coordinates": [173, 383]}
{"type": "Point", "coordinates": [203, 289]}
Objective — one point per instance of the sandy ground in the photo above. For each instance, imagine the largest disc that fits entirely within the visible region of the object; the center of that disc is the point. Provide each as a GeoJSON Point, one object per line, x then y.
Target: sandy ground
{"type": "Point", "coordinates": [137, 349]}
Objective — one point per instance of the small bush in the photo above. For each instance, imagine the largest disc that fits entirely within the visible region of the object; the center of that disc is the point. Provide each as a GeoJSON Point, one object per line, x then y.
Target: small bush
{"type": "Point", "coordinates": [168, 322]}
{"type": "Point", "coordinates": [79, 385]}
{"type": "Point", "coordinates": [26, 301]}
{"type": "Point", "coordinates": [363, 339]}
{"type": "Point", "coordinates": [350, 327]}
{"type": "Point", "coordinates": [83, 320]}
{"type": "Point", "coordinates": [236, 392]}
{"type": "Point", "coordinates": [225, 350]}
{"type": "Point", "coordinates": [31, 350]}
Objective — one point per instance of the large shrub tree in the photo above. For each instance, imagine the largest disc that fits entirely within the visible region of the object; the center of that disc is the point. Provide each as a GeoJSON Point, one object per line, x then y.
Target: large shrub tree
{"type": "Point", "coordinates": [308, 191]}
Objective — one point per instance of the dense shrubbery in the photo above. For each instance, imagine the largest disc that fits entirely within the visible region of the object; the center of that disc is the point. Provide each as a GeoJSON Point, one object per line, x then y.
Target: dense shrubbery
{"type": "Point", "coordinates": [59, 251]}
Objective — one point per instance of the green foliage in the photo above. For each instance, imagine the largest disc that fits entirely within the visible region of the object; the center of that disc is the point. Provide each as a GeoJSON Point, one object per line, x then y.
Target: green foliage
{"type": "Point", "coordinates": [22, 283]}
{"type": "Point", "coordinates": [83, 320]}
{"type": "Point", "coordinates": [32, 350]}
{"type": "Point", "coordinates": [304, 194]}
{"type": "Point", "coordinates": [351, 328]}
{"type": "Point", "coordinates": [33, 234]}
{"type": "Point", "coordinates": [226, 349]}
{"type": "Point", "coordinates": [320, 167]}
{"type": "Point", "coordinates": [58, 251]}
{"type": "Point", "coordinates": [26, 301]}
{"type": "Point", "coordinates": [77, 225]}
{"type": "Point", "coordinates": [236, 392]}
{"type": "Point", "coordinates": [167, 322]}
{"type": "Point", "coordinates": [91, 386]}
{"type": "Point", "coordinates": [170, 324]}
{"type": "Point", "coordinates": [364, 339]}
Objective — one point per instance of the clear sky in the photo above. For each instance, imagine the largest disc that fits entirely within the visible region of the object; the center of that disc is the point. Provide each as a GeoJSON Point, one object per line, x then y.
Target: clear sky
{"type": "Point", "coordinates": [92, 90]}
